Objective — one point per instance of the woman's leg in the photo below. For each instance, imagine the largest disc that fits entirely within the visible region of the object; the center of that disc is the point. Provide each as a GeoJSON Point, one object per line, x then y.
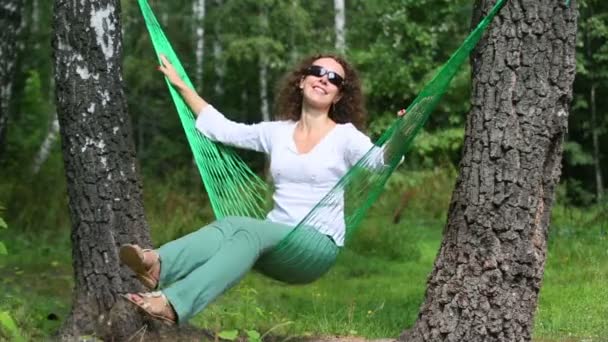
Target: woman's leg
{"type": "Point", "coordinates": [233, 259]}
{"type": "Point", "coordinates": [179, 257]}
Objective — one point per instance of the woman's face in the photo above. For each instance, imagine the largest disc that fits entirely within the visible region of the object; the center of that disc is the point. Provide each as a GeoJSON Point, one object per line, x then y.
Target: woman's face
{"type": "Point", "coordinates": [320, 87]}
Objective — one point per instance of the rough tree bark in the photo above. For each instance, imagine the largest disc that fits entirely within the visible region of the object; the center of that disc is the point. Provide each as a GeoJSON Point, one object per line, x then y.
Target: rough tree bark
{"type": "Point", "coordinates": [105, 196]}
{"type": "Point", "coordinates": [10, 23]}
{"type": "Point", "coordinates": [489, 269]}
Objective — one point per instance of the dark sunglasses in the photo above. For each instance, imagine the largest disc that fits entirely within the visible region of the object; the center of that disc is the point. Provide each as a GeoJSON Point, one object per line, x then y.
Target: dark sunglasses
{"type": "Point", "coordinates": [319, 71]}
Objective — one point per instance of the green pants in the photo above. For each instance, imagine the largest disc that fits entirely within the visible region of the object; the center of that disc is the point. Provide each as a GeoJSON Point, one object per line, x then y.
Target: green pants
{"type": "Point", "coordinates": [198, 267]}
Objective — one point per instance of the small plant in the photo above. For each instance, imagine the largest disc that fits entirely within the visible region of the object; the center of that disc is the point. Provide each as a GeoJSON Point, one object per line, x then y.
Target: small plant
{"type": "Point", "coordinates": [3, 225]}
{"type": "Point", "coordinates": [230, 335]}
{"type": "Point", "coordinates": [6, 321]}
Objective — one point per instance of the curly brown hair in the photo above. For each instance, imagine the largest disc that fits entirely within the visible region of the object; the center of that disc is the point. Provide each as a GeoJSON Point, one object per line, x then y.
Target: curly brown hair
{"type": "Point", "coordinates": [350, 108]}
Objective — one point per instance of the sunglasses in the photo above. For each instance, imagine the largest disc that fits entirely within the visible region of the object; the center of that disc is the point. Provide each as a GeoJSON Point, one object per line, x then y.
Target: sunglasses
{"type": "Point", "coordinates": [319, 71]}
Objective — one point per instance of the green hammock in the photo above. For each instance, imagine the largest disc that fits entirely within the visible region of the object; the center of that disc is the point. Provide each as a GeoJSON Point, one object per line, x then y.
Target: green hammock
{"type": "Point", "coordinates": [234, 190]}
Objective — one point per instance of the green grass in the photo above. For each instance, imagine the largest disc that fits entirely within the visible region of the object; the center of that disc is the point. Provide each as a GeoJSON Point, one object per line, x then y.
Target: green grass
{"type": "Point", "coordinates": [375, 290]}
{"type": "Point", "coordinates": [36, 282]}
{"type": "Point", "coordinates": [366, 296]}
{"type": "Point", "coordinates": [574, 297]}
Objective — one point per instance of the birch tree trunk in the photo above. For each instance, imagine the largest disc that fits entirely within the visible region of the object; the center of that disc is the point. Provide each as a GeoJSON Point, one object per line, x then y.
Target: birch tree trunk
{"type": "Point", "coordinates": [198, 7]}
{"type": "Point", "coordinates": [264, 106]}
{"type": "Point", "coordinates": [489, 269]}
{"type": "Point", "coordinates": [104, 189]}
{"type": "Point", "coordinates": [595, 125]}
{"type": "Point", "coordinates": [263, 64]}
{"type": "Point", "coordinates": [47, 144]}
{"type": "Point", "coordinates": [595, 135]}
{"type": "Point", "coordinates": [339, 26]}
{"type": "Point", "coordinates": [218, 56]}
{"type": "Point", "coordinates": [11, 12]}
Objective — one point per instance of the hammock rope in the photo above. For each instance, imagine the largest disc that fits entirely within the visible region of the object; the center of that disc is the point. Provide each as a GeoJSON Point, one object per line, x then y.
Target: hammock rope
{"type": "Point", "coordinates": [235, 190]}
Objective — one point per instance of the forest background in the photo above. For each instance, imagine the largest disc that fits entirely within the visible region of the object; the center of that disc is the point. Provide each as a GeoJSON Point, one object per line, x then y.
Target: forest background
{"type": "Point", "coordinates": [235, 51]}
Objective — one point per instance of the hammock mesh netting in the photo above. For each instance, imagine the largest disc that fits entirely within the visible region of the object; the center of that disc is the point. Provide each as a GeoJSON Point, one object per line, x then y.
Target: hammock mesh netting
{"type": "Point", "coordinates": [234, 190]}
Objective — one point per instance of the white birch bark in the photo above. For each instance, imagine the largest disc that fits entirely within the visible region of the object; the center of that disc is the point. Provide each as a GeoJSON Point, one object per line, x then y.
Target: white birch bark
{"type": "Point", "coordinates": [264, 89]}
{"type": "Point", "coordinates": [45, 148]}
{"type": "Point", "coordinates": [599, 184]}
{"type": "Point", "coordinates": [339, 26]}
{"type": "Point", "coordinates": [198, 9]}
{"type": "Point", "coordinates": [10, 25]}
{"type": "Point", "coordinates": [263, 64]}
{"type": "Point", "coordinates": [294, 47]}
{"type": "Point", "coordinates": [35, 16]}
{"type": "Point", "coordinates": [218, 55]}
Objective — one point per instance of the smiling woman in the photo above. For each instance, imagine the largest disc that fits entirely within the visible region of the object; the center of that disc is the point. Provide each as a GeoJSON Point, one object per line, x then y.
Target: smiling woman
{"type": "Point", "coordinates": [311, 146]}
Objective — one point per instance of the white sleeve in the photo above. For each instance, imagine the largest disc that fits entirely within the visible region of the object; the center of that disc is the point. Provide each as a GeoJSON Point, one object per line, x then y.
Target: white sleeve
{"type": "Point", "coordinates": [215, 126]}
{"type": "Point", "coordinates": [358, 144]}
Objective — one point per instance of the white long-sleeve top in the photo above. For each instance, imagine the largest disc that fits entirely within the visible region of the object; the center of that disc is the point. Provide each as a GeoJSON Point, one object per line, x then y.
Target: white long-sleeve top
{"type": "Point", "coordinates": [301, 180]}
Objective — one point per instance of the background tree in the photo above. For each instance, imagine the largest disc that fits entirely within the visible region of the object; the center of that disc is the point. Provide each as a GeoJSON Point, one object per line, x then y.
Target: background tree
{"type": "Point", "coordinates": [99, 158]}
{"type": "Point", "coordinates": [587, 140]}
{"type": "Point", "coordinates": [10, 21]}
{"type": "Point", "coordinates": [488, 273]}
{"type": "Point", "coordinates": [339, 24]}
{"type": "Point", "coordinates": [198, 11]}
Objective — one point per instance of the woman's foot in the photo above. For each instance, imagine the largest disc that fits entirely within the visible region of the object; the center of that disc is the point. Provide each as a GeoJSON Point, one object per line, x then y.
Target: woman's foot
{"type": "Point", "coordinates": [144, 262]}
{"type": "Point", "coordinates": [155, 305]}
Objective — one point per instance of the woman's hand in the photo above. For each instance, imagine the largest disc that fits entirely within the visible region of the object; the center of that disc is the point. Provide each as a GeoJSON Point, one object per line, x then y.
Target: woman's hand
{"type": "Point", "coordinates": [192, 99]}
{"type": "Point", "coordinates": [169, 71]}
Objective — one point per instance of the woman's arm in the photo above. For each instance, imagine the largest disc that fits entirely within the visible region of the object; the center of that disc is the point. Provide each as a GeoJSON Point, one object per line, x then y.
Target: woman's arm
{"type": "Point", "coordinates": [213, 124]}
{"type": "Point", "coordinates": [360, 144]}
{"type": "Point", "coordinates": [190, 96]}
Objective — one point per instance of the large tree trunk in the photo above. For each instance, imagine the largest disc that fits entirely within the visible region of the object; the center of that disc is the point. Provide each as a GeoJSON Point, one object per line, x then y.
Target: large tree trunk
{"type": "Point", "coordinates": [10, 24]}
{"type": "Point", "coordinates": [105, 197]}
{"type": "Point", "coordinates": [489, 269]}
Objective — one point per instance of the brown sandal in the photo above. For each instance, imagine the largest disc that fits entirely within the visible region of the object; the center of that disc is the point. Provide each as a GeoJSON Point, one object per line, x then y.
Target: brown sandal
{"type": "Point", "coordinates": [166, 314]}
{"type": "Point", "coordinates": [134, 257]}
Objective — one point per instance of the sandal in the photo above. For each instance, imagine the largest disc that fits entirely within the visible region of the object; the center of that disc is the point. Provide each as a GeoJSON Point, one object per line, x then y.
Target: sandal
{"type": "Point", "coordinates": [166, 314]}
{"type": "Point", "coordinates": [135, 258]}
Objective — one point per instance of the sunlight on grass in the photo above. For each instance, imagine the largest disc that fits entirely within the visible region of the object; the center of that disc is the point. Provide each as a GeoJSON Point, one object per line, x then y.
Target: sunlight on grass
{"type": "Point", "coordinates": [375, 290]}
{"type": "Point", "coordinates": [365, 296]}
{"type": "Point", "coordinates": [574, 297]}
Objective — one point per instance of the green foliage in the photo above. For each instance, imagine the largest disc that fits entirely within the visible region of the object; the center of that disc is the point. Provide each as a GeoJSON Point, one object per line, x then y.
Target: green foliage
{"type": "Point", "coordinates": [7, 324]}
{"type": "Point", "coordinates": [229, 335]}
{"type": "Point", "coordinates": [3, 226]}
{"type": "Point", "coordinates": [27, 130]}
{"type": "Point", "coordinates": [575, 155]}
{"type": "Point", "coordinates": [37, 202]}
{"type": "Point", "coordinates": [590, 94]}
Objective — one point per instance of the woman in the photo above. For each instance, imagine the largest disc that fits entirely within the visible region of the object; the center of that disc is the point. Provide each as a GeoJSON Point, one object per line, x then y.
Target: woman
{"type": "Point", "coordinates": [314, 143]}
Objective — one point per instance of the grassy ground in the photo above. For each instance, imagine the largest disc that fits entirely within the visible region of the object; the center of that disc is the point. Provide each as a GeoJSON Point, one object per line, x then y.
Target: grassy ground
{"type": "Point", "coordinates": [375, 290]}
{"type": "Point", "coordinates": [364, 295]}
